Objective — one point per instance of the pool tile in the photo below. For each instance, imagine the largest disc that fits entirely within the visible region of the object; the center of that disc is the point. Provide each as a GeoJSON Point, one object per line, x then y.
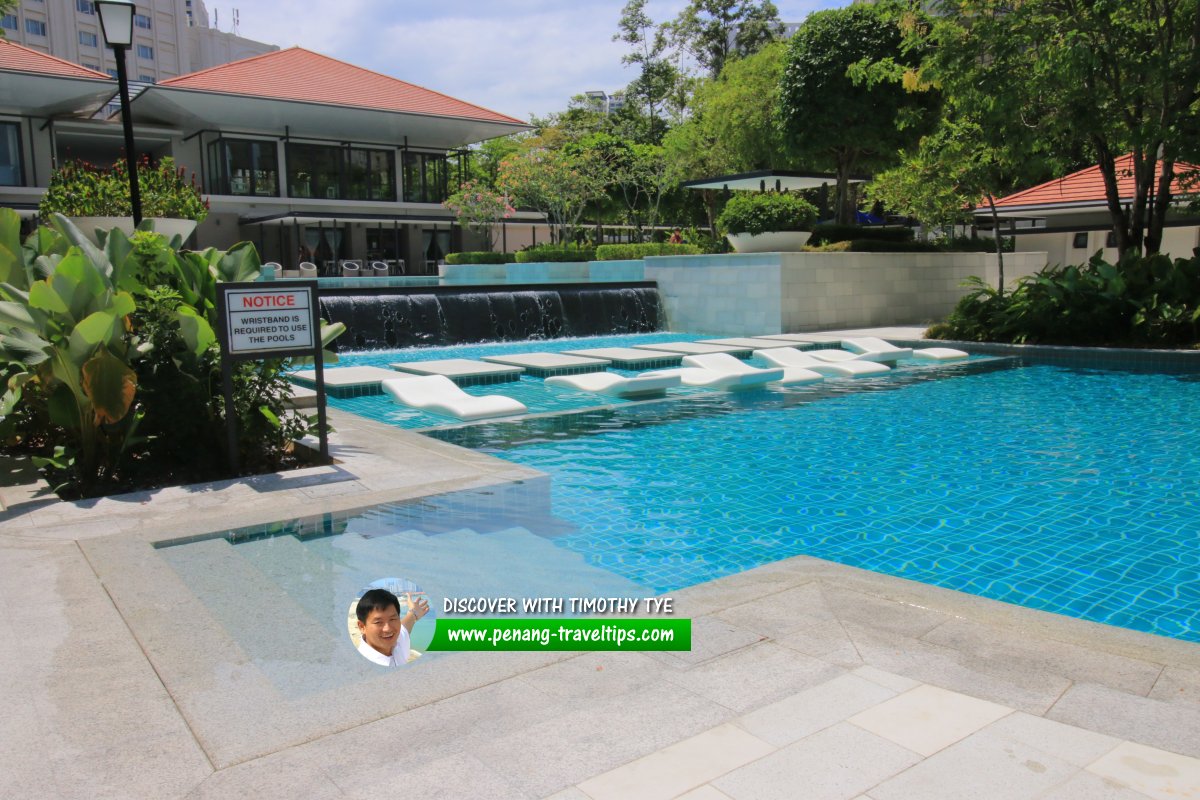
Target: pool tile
{"type": "Point", "coordinates": [680, 767]}
{"type": "Point", "coordinates": [834, 764]}
{"type": "Point", "coordinates": [806, 712]}
{"type": "Point", "coordinates": [1157, 773]}
{"type": "Point", "coordinates": [927, 719]}
{"type": "Point", "coordinates": [1170, 726]}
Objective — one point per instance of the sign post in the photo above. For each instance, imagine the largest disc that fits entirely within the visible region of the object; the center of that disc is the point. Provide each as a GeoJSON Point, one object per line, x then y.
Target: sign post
{"type": "Point", "coordinates": [268, 320]}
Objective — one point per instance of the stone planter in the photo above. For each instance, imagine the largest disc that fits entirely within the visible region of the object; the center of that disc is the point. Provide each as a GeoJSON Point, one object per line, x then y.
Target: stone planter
{"type": "Point", "coordinates": [166, 226]}
{"type": "Point", "coordinates": [772, 242]}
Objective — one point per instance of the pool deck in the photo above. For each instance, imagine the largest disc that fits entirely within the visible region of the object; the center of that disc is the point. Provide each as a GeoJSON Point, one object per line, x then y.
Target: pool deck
{"type": "Point", "coordinates": [806, 678]}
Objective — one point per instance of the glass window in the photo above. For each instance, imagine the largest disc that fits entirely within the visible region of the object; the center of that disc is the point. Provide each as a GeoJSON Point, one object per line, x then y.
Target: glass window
{"type": "Point", "coordinates": [35, 27]}
{"type": "Point", "coordinates": [145, 51]}
{"type": "Point", "coordinates": [9, 21]}
{"type": "Point", "coordinates": [340, 173]}
{"type": "Point", "coordinates": [10, 155]}
{"type": "Point", "coordinates": [1111, 239]}
{"type": "Point", "coordinates": [112, 72]}
{"type": "Point", "coordinates": [141, 21]}
{"type": "Point", "coordinates": [146, 78]}
{"type": "Point", "coordinates": [1080, 240]}
{"type": "Point", "coordinates": [243, 167]}
{"type": "Point", "coordinates": [88, 38]}
{"type": "Point", "coordinates": [425, 177]}
{"type": "Point", "coordinates": [92, 66]}
{"type": "Point", "coordinates": [85, 7]}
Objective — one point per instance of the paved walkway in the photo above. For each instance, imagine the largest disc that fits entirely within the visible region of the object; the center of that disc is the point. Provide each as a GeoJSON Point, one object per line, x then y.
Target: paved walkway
{"type": "Point", "coordinates": [807, 679]}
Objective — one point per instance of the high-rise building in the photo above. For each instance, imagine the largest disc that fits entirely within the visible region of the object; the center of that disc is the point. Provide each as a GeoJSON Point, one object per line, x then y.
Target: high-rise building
{"type": "Point", "coordinates": [171, 37]}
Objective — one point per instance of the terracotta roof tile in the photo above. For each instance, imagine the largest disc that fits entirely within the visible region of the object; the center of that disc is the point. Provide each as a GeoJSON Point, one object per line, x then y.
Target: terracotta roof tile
{"type": "Point", "coordinates": [302, 75]}
{"type": "Point", "coordinates": [1085, 186]}
{"type": "Point", "coordinates": [18, 58]}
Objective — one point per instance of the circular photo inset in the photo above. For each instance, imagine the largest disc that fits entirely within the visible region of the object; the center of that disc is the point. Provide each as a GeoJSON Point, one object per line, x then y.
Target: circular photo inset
{"type": "Point", "coordinates": [382, 619]}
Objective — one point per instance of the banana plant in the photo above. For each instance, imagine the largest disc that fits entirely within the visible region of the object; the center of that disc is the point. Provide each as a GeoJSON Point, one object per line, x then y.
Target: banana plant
{"type": "Point", "coordinates": [63, 325]}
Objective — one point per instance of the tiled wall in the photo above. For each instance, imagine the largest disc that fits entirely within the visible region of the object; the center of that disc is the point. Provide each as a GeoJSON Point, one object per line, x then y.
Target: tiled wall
{"type": "Point", "coordinates": [788, 292]}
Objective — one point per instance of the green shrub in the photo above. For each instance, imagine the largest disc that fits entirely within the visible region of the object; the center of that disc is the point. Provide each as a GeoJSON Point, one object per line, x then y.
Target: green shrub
{"type": "Point", "coordinates": [763, 213]}
{"type": "Point", "coordinates": [555, 253]}
{"type": "Point", "coordinates": [628, 252]}
{"type": "Point", "coordinates": [831, 232]}
{"type": "Point", "coordinates": [476, 257]}
{"type": "Point", "coordinates": [112, 372]}
{"type": "Point", "coordinates": [80, 189]}
{"type": "Point", "coordinates": [1150, 301]}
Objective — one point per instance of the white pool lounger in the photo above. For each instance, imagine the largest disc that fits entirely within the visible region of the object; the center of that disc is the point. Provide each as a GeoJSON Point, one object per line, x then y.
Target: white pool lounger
{"type": "Point", "coordinates": [874, 346]}
{"type": "Point", "coordinates": [790, 358]}
{"type": "Point", "coordinates": [614, 385]}
{"type": "Point", "coordinates": [722, 371]}
{"type": "Point", "coordinates": [439, 394]}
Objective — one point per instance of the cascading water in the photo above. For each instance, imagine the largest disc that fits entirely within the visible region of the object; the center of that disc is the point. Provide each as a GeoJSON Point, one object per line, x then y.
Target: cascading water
{"type": "Point", "coordinates": [386, 320]}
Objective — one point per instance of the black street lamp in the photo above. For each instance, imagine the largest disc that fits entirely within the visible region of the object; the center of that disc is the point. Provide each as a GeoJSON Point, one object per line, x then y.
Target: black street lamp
{"type": "Point", "coordinates": [116, 21]}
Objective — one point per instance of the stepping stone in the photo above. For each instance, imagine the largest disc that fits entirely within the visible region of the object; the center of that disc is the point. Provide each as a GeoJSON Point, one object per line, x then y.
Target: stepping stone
{"type": "Point", "coordinates": [757, 343]}
{"type": "Point", "coordinates": [698, 349]}
{"type": "Point", "coordinates": [630, 357]}
{"type": "Point", "coordinates": [347, 381]}
{"type": "Point", "coordinates": [803, 338]}
{"type": "Point", "coordinates": [545, 365]}
{"type": "Point", "coordinates": [463, 371]}
{"type": "Point", "coordinates": [301, 397]}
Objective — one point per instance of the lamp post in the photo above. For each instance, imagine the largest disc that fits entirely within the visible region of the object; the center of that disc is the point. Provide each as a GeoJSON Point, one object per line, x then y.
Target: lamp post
{"type": "Point", "coordinates": [116, 21]}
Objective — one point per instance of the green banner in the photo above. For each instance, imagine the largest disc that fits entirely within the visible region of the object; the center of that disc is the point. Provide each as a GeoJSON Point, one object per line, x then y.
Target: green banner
{"type": "Point", "coordinates": [562, 634]}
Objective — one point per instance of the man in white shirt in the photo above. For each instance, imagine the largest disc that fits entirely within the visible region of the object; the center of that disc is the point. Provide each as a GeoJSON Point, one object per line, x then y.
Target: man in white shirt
{"type": "Point", "coordinates": [385, 634]}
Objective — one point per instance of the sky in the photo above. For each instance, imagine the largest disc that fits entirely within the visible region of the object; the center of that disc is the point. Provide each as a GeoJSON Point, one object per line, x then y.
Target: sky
{"type": "Point", "coordinates": [518, 57]}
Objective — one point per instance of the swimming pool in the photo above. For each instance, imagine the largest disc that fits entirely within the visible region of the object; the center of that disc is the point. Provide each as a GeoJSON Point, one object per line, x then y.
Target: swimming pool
{"type": "Point", "coordinates": [1067, 490]}
{"type": "Point", "coordinates": [1064, 489]}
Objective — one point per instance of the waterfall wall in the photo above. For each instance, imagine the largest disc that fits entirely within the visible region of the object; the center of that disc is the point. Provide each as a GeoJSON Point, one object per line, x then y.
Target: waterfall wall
{"type": "Point", "coordinates": [392, 319]}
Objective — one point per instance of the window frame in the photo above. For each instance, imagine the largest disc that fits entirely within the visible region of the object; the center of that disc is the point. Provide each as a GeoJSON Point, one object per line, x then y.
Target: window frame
{"type": "Point", "coordinates": [1075, 240]}
{"type": "Point", "coordinates": [425, 188]}
{"type": "Point", "coordinates": [19, 165]}
{"type": "Point", "coordinates": [137, 22]}
{"type": "Point", "coordinates": [16, 23]}
{"type": "Point", "coordinates": [342, 180]}
{"type": "Point", "coordinates": [145, 51]}
{"type": "Point", "coordinates": [221, 182]}
{"type": "Point", "coordinates": [95, 40]}
{"type": "Point", "coordinates": [31, 24]}
{"type": "Point", "coordinates": [85, 7]}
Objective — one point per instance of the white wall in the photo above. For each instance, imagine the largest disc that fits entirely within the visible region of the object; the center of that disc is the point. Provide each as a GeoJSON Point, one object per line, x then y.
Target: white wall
{"type": "Point", "coordinates": [752, 294]}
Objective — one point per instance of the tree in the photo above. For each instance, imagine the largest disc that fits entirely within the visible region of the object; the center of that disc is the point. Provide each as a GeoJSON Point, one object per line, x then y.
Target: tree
{"type": "Point", "coordinates": [545, 176]}
{"type": "Point", "coordinates": [480, 208]}
{"type": "Point", "coordinates": [833, 121]}
{"type": "Point", "coordinates": [737, 110]}
{"type": "Point", "coordinates": [1065, 76]}
{"type": "Point", "coordinates": [716, 31]}
{"type": "Point", "coordinates": [658, 77]}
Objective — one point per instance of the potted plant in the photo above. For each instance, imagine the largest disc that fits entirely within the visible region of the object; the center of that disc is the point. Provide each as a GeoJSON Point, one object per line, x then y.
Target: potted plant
{"type": "Point", "coordinates": [766, 223]}
{"type": "Point", "coordinates": [95, 198]}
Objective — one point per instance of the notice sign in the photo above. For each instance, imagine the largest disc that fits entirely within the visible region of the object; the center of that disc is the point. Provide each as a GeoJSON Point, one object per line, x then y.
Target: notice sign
{"type": "Point", "coordinates": [270, 320]}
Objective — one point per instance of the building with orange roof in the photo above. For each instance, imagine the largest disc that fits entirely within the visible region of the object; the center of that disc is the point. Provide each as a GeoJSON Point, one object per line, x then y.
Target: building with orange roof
{"type": "Point", "coordinates": [1068, 217]}
{"type": "Point", "coordinates": [300, 153]}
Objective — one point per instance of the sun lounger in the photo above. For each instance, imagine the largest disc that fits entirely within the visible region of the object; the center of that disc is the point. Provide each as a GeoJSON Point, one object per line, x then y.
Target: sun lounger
{"type": "Point", "coordinates": [614, 385]}
{"type": "Point", "coordinates": [720, 371]}
{"type": "Point", "coordinates": [729, 365]}
{"type": "Point", "coordinates": [439, 394]}
{"type": "Point", "coordinates": [876, 347]}
{"type": "Point", "coordinates": [790, 358]}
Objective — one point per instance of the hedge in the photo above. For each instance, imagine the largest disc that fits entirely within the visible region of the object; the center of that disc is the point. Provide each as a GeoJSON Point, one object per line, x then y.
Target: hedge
{"type": "Point", "coordinates": [478, 257]}
{"type": "Point", "coordinates": [630, 252]}
{"type": "Point", "coordinates": [545, 253]}
{"type": "Point", "coordinates": [830, 232]}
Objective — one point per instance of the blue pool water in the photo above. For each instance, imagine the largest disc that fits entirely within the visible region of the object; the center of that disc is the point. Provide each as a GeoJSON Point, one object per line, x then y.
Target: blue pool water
{"type": "Point", "coordinates": [1069, 490]}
